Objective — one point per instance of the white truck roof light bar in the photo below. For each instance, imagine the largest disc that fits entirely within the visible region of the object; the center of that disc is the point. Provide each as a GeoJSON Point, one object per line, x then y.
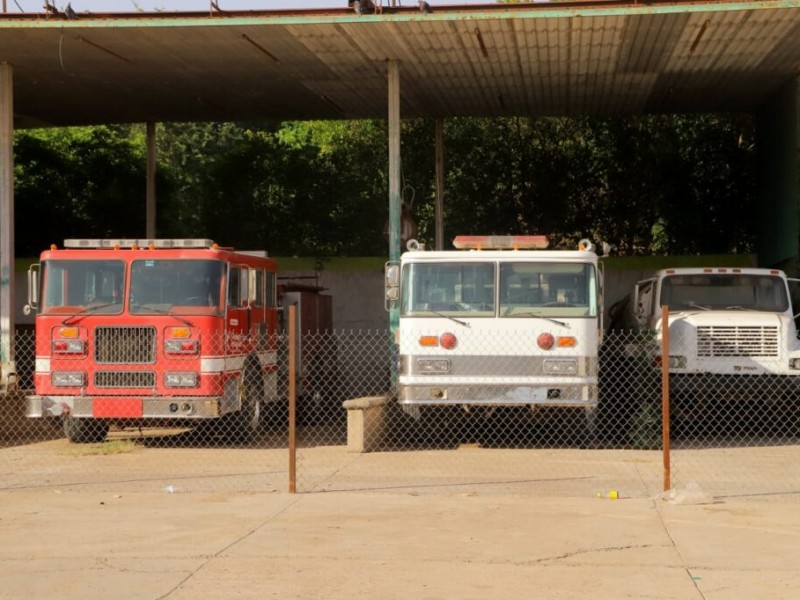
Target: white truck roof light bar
{"type": "Point", "coordinates": [501, 242]}
{"type": "Point", "coordinates": [145, 243]}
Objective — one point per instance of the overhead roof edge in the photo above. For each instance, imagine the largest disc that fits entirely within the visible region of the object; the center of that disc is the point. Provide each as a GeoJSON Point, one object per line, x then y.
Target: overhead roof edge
{"type": "Point", "coordinates": [401, 14]}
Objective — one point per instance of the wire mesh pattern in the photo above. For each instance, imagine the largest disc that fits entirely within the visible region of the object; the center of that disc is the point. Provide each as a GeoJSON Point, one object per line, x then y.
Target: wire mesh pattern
{"type": "Point", "coordinates": [131, 410]}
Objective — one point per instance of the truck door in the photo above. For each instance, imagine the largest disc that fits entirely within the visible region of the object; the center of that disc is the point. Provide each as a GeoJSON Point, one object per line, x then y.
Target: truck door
{"type": "Point", "coordinates": [643, 302]}
{"type": "Point", "coordinates": [237, 317]}
{"type": "Point", "coordinates": [794, 299]}
{"type": "Point", "coordinates": [263, 324]}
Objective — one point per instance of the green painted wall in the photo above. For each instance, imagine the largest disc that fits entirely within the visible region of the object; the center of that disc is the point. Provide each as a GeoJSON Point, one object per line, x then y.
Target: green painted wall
{"type": "Point", "coordinates": [778, 141]}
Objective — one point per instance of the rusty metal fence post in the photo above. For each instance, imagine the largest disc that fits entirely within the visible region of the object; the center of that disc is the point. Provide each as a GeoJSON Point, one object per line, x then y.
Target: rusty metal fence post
{"type": "Point", "coordinates": [292, 400]}
{"type": "Point", "coordinates": [665, 394]}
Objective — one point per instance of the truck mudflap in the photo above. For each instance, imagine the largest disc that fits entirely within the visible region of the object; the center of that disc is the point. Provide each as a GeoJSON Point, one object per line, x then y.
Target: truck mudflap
{"type": "Point", "coordinates": [125, 407]}
{"type": "Point", "coordinates": [499, 395]}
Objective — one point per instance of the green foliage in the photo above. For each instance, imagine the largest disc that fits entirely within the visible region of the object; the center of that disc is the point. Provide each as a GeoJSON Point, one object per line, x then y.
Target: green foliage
{"type": "Point", "coordinates": [320, 188]}
{"type": "Point", "coordinates": [629, 182]}
{"type": "Point", "coordinates": [79, 181]}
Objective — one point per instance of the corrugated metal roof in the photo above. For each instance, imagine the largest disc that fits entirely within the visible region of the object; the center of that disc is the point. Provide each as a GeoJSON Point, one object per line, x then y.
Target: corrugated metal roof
{"type": "Point", "coordinates": [536, 59]}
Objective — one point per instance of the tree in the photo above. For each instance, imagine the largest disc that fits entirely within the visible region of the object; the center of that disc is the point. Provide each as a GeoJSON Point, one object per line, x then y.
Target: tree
{"type": "Point", "coordinates": [320, 188]}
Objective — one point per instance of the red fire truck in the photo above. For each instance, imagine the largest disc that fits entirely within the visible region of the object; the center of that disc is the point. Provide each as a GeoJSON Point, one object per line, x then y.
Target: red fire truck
{"type": "Point", "coordinates": [174, 332]}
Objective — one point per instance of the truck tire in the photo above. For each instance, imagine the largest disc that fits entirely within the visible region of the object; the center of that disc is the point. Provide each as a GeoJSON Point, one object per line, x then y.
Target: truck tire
{"type": "Point", "coordinates": [242, 426]}
{"type": "Point", "coordinates": [85, 431]}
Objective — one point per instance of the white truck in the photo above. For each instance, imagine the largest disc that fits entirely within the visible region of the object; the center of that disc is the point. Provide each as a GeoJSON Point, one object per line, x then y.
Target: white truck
{"type": "Point", "coordinates": [497, 322]}
{"type": "Point", "coordinates": [732, 334]}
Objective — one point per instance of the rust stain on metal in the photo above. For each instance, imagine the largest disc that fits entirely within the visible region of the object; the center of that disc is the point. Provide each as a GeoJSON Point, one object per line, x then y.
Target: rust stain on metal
{"type": "Point", "coordinates": [260, 48]}
{"type": "Point", "coordinates": [484, 51]}
{"type": "Point", "coordinates": [699, 35]}
{"type": "Point", "coordinates": [103, 49]}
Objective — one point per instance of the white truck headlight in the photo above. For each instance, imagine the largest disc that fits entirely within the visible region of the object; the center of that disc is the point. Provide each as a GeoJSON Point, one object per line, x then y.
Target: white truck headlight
{"type": "Point", "coordinates": [794, 364]}
{"type": "Point", "coordinates": [180, 379]}
{"type": "Point", "coordinates": [68, 379]}
{"type": "Point", "coordinates": [561, 367]}
{"type": "Point", "coordinates": [677, 362]}
{"type": "Point", "coordinates": [428, 366]}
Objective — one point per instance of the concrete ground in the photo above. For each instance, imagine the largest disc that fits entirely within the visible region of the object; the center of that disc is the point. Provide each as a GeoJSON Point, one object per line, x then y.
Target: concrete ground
{"type": "Point", "coordinates": [86, 545]}
{"type": "Point", "coordinates": [165, 517]}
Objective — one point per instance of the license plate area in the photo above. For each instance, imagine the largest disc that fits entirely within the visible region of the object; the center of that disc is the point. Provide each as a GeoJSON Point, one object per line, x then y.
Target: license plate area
{"type": "Point", "coordinates": [117, 408]}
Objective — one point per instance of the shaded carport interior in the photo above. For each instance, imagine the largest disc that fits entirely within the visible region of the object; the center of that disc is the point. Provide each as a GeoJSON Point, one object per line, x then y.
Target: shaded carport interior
{"type": "Point", "coordinates": [596, 58]}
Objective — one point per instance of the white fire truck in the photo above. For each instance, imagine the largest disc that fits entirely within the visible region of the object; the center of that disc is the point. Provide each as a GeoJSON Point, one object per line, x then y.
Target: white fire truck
{"type": "Point", "coordinates": [732, 333]}
{"type": "Point", "coordinates": [498, 322]}
{"type": "Point", "coordinates": [144, 331]}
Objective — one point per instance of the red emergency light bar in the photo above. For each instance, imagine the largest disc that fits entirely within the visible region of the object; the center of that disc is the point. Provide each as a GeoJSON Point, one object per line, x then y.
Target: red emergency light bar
{"type": "Point", "coordinates": [501, 242]}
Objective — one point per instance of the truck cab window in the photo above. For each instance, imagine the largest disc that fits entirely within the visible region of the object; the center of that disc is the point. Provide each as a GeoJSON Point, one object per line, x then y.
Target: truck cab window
{"type": "Point", "coordinates": [435, 288]}
{"type": "Point", "coordinates": [79, 284]}
{"type": "Point", "coordinates": [177, 286]}
{"type": "Point", "coordinates": [238, 287]}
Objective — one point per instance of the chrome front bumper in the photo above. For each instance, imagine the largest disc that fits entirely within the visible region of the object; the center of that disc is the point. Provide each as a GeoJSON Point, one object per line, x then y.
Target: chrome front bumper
{"type": "Point", "coordinates": [187, 407]}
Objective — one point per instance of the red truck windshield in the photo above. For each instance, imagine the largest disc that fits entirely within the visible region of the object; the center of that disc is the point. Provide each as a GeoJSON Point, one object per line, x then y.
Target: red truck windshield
{"type": "Point", "coordinates": [156, 286]}
{"type": "Point", "coordinates": [177, 286]}
{"type": "Point", "coordinates": [74, 285]}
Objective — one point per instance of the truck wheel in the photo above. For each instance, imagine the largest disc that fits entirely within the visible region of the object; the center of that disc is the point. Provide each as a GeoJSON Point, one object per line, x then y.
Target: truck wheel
{"type": "Point", "coordinates": [434, 425]}
{"type": "Point", "coordinates": [85, 431]}
{"type": "Point", "coordinates": [275, 414]}
{"type": "Point", "coordinates": [587, 427]}
{"type": "Point", "coordinates": [243, 424]}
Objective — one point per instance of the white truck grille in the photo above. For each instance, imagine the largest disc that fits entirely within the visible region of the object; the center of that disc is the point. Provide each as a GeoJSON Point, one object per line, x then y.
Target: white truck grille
{"type": "Point", "coordinates": [734, 340]}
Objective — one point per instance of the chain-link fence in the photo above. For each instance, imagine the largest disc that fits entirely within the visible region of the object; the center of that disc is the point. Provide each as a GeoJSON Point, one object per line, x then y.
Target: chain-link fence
{"type": "Point", "coordinates": [133, 410]}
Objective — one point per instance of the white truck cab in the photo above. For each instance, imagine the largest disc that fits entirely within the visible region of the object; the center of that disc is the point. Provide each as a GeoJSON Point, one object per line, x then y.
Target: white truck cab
{"type": "Point", "coordinates": [732, 331]}
{"type": "Point", "coordinates": [498, 322]}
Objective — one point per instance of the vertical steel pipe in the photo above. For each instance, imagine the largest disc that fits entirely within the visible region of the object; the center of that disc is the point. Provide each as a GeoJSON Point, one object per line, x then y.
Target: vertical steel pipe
{"type": "Point", "coordinates": [151, 181]}
{"type": "Point", "coordinates": [440, 184]}
{"type": "Point", "coordinates": [665, 395]}
{"type": "Point", "coordinates": [7, 273]}
{"type": "Point", "coordinates": [292, 399]}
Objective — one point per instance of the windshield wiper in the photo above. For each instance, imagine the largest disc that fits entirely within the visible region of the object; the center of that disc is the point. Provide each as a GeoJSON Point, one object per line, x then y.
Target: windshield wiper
{"type": "Point", "coordinates": [87, 311]}
{"type": "Point", "coordinates": [459, 321]}
{"type": "Point", "coordinates": [161, 311]}
{"type": "Point", "coordinates": [533, 314]}
{"type": "Point", "coordinates": [695, 305]}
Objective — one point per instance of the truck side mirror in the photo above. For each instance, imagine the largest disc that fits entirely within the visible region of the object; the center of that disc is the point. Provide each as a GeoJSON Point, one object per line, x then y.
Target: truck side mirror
{"type": "Point", "coordinates": [392, 283]}
{"type": "Point", "coordinates": [392, 275]}
{"type": "Point", "coordinates": [33, 289]}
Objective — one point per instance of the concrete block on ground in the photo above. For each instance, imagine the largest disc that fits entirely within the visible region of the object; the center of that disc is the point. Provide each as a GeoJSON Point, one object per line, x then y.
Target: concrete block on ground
{"type": "Point", "coordinates": [366, 422]}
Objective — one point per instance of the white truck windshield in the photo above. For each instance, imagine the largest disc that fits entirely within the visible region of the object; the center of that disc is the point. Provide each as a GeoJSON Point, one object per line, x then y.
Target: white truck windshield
{"type": "Point", "coordinates": [504, 289]}
{"type": "Point", "coordinates": [718, 291]}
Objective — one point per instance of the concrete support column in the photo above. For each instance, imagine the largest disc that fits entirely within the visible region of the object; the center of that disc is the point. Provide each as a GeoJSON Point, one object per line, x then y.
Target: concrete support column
{"type": "Point", "coordinates": [7, 324]}
{"type": "Point", "coordinates": [394, 174]}
{"type": "Point", "coordinates": [778, 146]}
{"type": "Point", "coordinates": [151, 181]}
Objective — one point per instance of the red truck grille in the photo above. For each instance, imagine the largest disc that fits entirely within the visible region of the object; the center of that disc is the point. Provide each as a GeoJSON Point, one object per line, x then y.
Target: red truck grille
{"type": "Point", "coordinates": [124, 379]}
{"type": "Point", "coordinates": [125, 345]}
